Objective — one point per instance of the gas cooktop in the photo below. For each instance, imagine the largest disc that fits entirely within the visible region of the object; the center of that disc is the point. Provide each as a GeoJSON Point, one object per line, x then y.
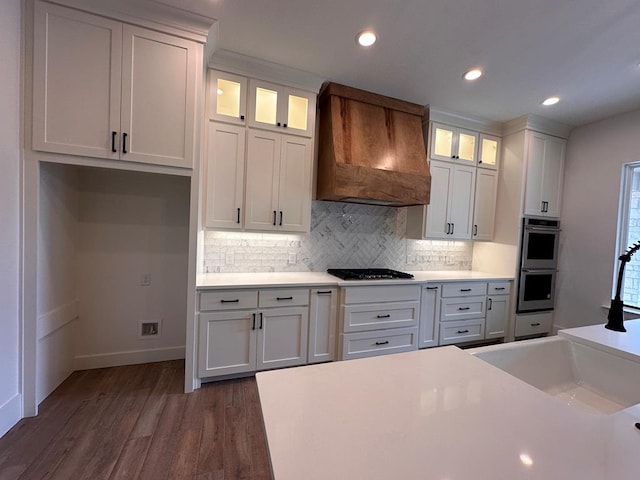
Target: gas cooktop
{"type": "Point", "coordinates": [367, 273]}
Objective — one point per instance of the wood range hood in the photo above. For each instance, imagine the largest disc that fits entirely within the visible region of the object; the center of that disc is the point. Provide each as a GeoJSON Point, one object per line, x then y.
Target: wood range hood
{"type": "Point", "coordinates": [371, 149]}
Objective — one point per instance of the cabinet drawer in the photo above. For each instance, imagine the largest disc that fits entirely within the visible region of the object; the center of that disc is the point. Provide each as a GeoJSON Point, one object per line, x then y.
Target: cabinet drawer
{"type": "Point", "coordinates": [359, 318]}
{"type": "Point", "coordinates": [535, 324]}
{"type": "Point", "coordinates": [499, 288]}
{"type": "Point", "coordinates": [459, 332]}
{"type": "Point", "coordinates": [467, 289]}
{"type": "Point", "coordinates": [382, 293]}
{"type": "Point", "coordinates": [283, 297]}
{"type": "Point", "coordinates": [452, 309]}
{"type": "Point", "coordinates": [228, 300]}
{"type": "Point", "coordinates": [369, 344]}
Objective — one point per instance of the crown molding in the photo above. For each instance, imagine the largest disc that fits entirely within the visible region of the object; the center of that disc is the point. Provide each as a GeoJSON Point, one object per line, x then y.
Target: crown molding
{"type": "Point", "coordinates": [456, 119]}
{"type": "Point", "coordinates": [537, 124]}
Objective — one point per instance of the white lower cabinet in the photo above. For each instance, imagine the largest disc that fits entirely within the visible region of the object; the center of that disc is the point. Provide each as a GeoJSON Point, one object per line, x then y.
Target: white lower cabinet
{"type": "Point", "coordinates": [252, 330]}
{"type": "Point", "coordinates": [322, 325]}
{"type": "Point", "coordinates": [533, 324]}
{"type": "Point", "coordinates": [376, 320]}
{"type": "Point", "coordinates": [429, 315]}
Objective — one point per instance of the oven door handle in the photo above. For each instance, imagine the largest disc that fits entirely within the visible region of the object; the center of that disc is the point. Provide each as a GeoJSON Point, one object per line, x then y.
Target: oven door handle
{"type": "Point", "coordinates": [542, 229]}
{"type": "Point", "coordinates": [538, 270]}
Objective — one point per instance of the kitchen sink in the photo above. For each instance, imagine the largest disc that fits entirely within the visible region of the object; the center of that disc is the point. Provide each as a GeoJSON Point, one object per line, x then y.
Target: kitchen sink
{"type": "Point", "coordinates": [579, 375]}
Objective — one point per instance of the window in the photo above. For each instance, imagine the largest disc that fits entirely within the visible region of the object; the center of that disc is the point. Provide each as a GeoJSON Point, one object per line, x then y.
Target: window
{"type": "Point", "coordinates": [629, 233]}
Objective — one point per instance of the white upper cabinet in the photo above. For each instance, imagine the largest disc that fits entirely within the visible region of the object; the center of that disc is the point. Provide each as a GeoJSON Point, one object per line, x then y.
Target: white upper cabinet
{"type": "Point", "coordinates": [110, 90]}
{"type": "Point", "coordinates": [545, 169]}
{"type": "Point", "coordinates": [484, 210]}
{"type": "Point", "coordinates": [488, 151]}
{"type": "Point", "coordinates": [227, 97]}
{"type": "Point", "coordinates": [453, 144]}
{"type": "Point", "coordinates": [225, 176]}
{"type": "Point", "coordinates": [282, 109]}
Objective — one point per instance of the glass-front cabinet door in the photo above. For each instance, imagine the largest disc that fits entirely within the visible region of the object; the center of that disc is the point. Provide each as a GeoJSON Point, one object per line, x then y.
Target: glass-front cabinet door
{"type": "Point", "coordinates": [489, 151]}
{"type": "Point", "coordinates": [227, 97]}
{"type": "Point", "coordinates": [282, 109]}
{"type": "Point", "coordinates": [453, 144]}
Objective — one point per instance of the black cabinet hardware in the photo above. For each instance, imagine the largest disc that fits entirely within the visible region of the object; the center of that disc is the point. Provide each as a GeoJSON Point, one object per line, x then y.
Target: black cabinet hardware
{"type": "Point", "coordinates": [238, 220]}
{"type": "Point", "coordinates": [230, 301]}
{"type": "Point", "coordinates": [431, 288]}
{"type": "Point", "coordinates": [453, 226]}
{"type": "Point", "coordinates": [475, 230]}
{"type": "Point", "coordinates": [261, 319]}
{"type": "Point", "coordinates": [124, 143]}
{"type": "Point", "coordinates": [490, 306]}
{"type": "Point", "coordinates": [280, 217]}
{"type": "Point", "coordinates": [500, 288]}
{"type": "Point", "coordinates": [464, 308]}
{"type": "Point", "coordinates": [241, 117]}
{"type": "Point", "coordinates": [278, 124]}
{"type": "Point", "coordinates": [324, 292]}
{"type": "Point", "coordinates": [253, 327]}
{"type": "Point", "coordinates": [274, 218]}
{"type": "Point", "coordinates": [382, 343]}
{"type": "Point", "coordinates": [383, 316]}
{"type": "Point", "coordinates": [463, 331]}
{"type": "Point", "coordinates": [284, 125]}
{"type": "Point", "coordinates": [465, 289]}
{"type": "Point", "coordinates": [113, 141]}
{"type": "Point", "coordinates": [535, 324]}
{"type": "Point", "coordinates": [448, 232]}
{"type": "Point", "coordinates": [284, 298]}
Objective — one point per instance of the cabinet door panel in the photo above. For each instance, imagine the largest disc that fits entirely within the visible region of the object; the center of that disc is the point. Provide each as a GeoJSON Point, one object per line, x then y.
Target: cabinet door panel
{"type": "Point", "coordinates": [485, 204]}
{"type": "Point", "coordinates": [225, 176]}
{"type": "Point", "coordinates": [227, 97]}
{"type": "Point", "coordinates": [227, 343]}
{"type": "Point", "coordinates": [489, 151]}
{"type": "Point", "coordinates": [497, 314]}
{"type": "Point", "coordinates": [442, 142]}
{"type": "Point", "coordinates": [438, 207]}
{"type": "Point", "coordinates": [429, 316]}
{"type": "Point", "coordinates": [294, 194]}
{"type": "Point", "coordinates": [467, 145]}
{"type": "Point", "coordinates": [77, 69]}
{"type": "Point", "coordinates": [322, 325]}
{"type": "Point", "coordinates": [551, 190]}
{"type": "Point", "coordinates": [535, 172]}
{"type": "Point", "coordinates": [158, 97]}
{"type": "Point", "coordinates": [282, 337]}
{"type": "Point", "coordinates": [461, 201]}
{"type": "Point", "coordinates": [263, 171]}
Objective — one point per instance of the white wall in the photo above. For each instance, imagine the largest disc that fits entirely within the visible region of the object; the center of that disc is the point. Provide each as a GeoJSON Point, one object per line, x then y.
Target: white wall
{"type": "Point", "coordinates": [595, 154]}
{"type": "Point", "coordinates": [57, 278]}
{"type": "Point", "coordinates": [10, 401]}
{"type": "Point", "coordinates": [129, 224]}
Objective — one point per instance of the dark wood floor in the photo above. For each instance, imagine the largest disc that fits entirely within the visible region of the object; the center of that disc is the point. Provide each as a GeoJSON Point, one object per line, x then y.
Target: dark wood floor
{"type": "Point", "coordinates": [134, 422]}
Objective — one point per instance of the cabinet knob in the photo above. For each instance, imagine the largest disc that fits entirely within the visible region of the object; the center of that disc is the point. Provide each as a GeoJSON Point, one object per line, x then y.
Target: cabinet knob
{"type": "Point", "coordinates": [241, 117]}
{"type": "Point", "coordinates": [278, 124]}
{"type": "Point", "coordinates": [284, 125]}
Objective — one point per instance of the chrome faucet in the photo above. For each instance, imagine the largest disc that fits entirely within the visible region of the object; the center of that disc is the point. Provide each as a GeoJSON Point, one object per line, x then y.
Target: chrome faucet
{"type": "Point", "coordinates": [616, 317]}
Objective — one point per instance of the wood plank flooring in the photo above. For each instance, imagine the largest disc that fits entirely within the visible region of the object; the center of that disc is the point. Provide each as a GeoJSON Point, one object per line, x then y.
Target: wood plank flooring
{"type": "Point", "coordinates": [134, 422]}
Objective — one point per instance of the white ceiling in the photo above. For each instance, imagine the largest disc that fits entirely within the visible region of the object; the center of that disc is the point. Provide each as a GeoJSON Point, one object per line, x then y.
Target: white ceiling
{"type": "Point", "coordinates": [584, 51]}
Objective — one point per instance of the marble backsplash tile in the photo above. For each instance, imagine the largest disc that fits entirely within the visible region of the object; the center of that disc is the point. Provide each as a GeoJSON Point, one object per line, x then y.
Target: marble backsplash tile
{"type": "Point", "coordinates": [342, 235]}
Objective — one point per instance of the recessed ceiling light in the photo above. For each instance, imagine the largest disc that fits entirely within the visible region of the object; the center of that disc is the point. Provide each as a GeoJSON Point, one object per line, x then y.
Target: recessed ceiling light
{"type": "Point", "coordinates": [473, 74]}
{"type": "Point", "coordinates": [550, 101]}
{"type": "Point", "coordinates": [366, 38]}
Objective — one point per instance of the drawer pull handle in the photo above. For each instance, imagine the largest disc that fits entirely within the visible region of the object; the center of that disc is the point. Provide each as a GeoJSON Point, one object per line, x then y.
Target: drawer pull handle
{"type": "Point", "coordinates": [465, 289]}
{"type": "Point", "coordinates": [382, 343]}
{"type": "Point", "coordinates": [463, 331]}
{"type": "Point", "coordinates": [537, 324]}
{"type": "Point", "coordinates": [432, 288]}
{"type": "Point", "coordinates": [383, 316]}
{"type": "Point", "coordinates": [464, 308]}
{"type": "Point", "coordinates": [237, 300]}
{"type": "Point", "coordinates": [499, 288]}
{"type": "Point", "coordinates": [284, 298]}
{"type": "Point", "coordinates": [324, 292]}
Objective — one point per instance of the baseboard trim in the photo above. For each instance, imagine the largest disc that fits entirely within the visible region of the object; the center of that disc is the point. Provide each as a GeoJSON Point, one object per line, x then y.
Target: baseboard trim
{"type": "Point", "coordinates": [10, 413]}
{"type": "Point", "coordinates": [56, 319]}
{"type": "Point", "coordinates": [132, 357]}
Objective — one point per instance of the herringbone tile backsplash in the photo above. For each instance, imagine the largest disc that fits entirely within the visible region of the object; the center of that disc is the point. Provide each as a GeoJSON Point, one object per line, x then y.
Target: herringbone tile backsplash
{"type": "Point", "coordinates": [342, 235]}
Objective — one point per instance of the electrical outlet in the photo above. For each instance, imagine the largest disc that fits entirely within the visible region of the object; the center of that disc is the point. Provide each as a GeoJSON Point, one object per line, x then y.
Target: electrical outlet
{"type": "Point", "coordinates": [293, 259]}
{"type": "Point", "coordinates": [149, 329]}
{"type": "Point", "coordinates": [145, 279]}
{"type": "Point", "coordinates": [228, 258]}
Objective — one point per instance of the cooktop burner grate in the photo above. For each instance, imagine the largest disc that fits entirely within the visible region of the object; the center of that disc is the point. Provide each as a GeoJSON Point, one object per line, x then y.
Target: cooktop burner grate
{"type": "Point", "coordinates": [368, 273]}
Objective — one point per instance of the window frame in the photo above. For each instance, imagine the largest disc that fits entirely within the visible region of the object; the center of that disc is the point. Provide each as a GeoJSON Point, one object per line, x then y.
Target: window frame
{"type": "Point", "coordinates": [622, 232]}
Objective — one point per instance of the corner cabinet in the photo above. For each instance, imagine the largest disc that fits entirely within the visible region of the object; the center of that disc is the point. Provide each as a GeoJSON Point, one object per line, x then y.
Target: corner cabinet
{"type": "Point", "coordinates": [110, 90]}
{"type": "Point", "coordinates": [545, 169]}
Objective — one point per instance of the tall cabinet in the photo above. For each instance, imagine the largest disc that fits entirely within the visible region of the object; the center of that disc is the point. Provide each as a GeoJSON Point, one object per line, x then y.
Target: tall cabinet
{"type": "Point", "coordinates": [260, 155]}
{"type": "Point", "coordinates": [545, 169]}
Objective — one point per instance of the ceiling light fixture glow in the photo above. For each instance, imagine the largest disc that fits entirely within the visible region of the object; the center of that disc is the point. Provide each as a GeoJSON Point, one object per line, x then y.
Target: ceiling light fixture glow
{"type": "Point", "coordinates": [550, 101]}
{"type": "Point", "coordinates": [366, 38]}
{"type": "Point", "coordinates": [473, 74]}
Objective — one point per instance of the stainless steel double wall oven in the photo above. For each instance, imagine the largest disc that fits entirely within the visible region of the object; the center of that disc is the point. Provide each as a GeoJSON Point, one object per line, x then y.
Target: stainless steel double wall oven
{"type": "Point", "coordinates": [538, 264]}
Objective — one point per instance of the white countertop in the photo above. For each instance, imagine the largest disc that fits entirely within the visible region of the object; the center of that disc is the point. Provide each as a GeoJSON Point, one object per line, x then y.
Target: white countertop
{"type": "Point", "coordinates": [625, 344]}
{"type": "Point", "coordinates": [292, 279]}
{"type": "Point", "coordinates": [435, 414]}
